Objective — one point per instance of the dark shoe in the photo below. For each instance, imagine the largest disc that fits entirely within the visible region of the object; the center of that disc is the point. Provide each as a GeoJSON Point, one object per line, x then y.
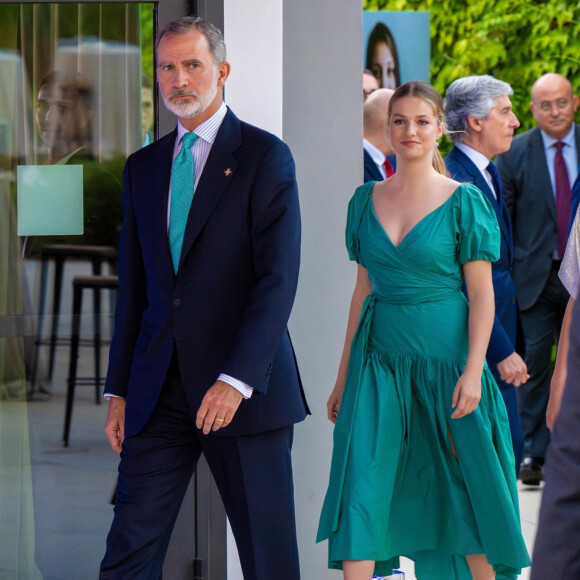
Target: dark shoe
{"type": "Point", "coordinates": [530, 472]}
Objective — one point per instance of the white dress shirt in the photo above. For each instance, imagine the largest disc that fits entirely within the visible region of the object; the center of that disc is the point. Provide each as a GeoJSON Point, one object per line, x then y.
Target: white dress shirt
{"type": "Point", "coordinates": [206, 133]}
{"type": "Point", "coordinates": [481, 162]}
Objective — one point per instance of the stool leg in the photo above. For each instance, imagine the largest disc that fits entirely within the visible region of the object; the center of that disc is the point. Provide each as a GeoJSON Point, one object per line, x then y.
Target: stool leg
{"type": "Point", "coordinates": [38, 341]}
{"type": "Point", "coordinates": [73, 360]}
{"type": "Point", "coordinates": [97, 266]}
{"type": "Point", "coordinates": [97, 342]}
{"type": "Point", "coordinates": [58, 272]}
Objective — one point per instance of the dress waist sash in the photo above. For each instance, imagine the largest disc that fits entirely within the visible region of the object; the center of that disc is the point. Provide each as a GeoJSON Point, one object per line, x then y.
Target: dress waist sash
{"type": "Point", "coordinates": [414, 295]}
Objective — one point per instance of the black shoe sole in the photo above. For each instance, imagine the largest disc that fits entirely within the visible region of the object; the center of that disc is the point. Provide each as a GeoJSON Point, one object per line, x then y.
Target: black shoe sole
{"type": "Point", "coordinates": [530, 476]}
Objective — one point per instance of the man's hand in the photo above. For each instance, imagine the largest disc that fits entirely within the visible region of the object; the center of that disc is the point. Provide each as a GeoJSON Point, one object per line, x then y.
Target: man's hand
{"type": "Point", "coordinates": [115, 424]}
{"type": "Point", "coordinates": [218, 407]}
{"type": "Point", "coordinates": [513, 370]}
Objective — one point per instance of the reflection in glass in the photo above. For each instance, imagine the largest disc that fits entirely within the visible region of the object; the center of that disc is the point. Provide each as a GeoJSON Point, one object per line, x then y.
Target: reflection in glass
{"type": "Point", "coordinates": [74, 82]}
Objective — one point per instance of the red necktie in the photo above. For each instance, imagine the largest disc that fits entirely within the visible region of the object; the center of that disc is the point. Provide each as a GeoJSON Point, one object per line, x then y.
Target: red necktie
{"type": "Point", "coordinates": [389, 169]}
{"type": "Point", "coordinates": [563, 198]}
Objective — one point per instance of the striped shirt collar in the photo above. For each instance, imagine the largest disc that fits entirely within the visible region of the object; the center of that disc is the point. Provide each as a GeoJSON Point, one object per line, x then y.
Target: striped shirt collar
{"type": "Point", "coordinates": [207, 131]}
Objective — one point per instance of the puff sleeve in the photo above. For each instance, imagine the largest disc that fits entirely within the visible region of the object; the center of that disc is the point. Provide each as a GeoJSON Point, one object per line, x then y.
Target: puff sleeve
{"type": "Point", "coordinates": [356, 206]}
{"type": "Point", "coordinates": [477, 228]}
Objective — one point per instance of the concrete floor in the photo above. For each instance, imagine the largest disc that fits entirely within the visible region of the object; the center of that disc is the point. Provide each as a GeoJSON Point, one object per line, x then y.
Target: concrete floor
{"type": "Point", "coordinates": [62, 513]}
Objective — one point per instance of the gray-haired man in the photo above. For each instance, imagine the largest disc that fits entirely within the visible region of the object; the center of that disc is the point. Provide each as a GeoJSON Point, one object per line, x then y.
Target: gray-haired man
{"type": "Point", "coordinates": [481, 123]}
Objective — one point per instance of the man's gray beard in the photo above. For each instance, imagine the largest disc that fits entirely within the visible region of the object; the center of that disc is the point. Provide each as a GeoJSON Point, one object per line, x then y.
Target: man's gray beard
{"type": "Point", "coordinates": [189, 110]}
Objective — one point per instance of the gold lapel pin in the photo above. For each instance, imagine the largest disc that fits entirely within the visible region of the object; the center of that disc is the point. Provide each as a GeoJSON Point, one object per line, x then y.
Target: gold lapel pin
{"type": "Point", "coordinates": [228, 172]}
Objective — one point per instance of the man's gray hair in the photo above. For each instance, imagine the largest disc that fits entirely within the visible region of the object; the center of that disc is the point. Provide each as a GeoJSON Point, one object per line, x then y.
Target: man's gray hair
{"type": "Point", "coordinates": [186, 24]}
{"type": "Point", "coordinates": [473, 96]}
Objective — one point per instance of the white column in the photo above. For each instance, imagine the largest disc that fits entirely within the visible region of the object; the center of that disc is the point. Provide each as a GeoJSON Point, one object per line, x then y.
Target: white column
{"type": "Point", "coordinates": [253, 36]}
{"type": "Point", "coordinates": [296, 71]}
{"type": "Point", "coordinates": [323, 126]}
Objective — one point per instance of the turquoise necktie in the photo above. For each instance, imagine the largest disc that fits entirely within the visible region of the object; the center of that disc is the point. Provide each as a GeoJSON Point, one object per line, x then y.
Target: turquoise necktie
{"type": "Point", "coordinates": [182, 183]}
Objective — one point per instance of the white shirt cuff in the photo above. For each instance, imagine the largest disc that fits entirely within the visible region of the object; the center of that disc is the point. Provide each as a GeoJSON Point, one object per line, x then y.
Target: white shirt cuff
{"type": "Point", "coordinates": [240, 386]}
{"type": "Point", "coordinates": [246, 390]}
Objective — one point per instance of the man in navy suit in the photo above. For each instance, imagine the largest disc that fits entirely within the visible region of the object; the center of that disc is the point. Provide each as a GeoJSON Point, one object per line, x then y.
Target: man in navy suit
{"type": "Point", "coordinates": [540, 224]}
{"type": "Point", "coordinates": [201, 360]}
{"type": "Point", "coordinates": [379, 160]}
{"type": "Point", "coordinates": [481, 123]}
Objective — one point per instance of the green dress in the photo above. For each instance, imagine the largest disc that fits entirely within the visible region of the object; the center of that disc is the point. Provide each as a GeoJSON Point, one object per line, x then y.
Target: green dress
{"type": "Point", "coordinates": [396, 488]}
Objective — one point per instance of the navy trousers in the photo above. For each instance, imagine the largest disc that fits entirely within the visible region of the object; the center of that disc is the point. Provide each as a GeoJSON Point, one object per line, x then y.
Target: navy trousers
{"type": "Point", "coordinates": [253, 474]}
{"type": "Point", "coordinates": [542, 323]}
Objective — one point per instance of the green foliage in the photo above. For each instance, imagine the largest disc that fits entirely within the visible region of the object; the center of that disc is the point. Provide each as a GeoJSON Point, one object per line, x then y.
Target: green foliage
{"type": "Point", "coordinates": [147, 39]}
{"type": "Point", "coordinates": [513, 40]}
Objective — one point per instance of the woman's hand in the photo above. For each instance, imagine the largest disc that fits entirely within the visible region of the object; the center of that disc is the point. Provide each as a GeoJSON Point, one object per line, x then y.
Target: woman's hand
{"type": "Point", "coordinates": [333, 404]}
{"type": "Point", "coordinates": [466, 395]}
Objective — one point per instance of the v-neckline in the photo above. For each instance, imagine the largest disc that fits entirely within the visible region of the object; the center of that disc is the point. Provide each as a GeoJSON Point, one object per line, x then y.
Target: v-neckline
{"type": "Point", "coordinates": [432, 212]}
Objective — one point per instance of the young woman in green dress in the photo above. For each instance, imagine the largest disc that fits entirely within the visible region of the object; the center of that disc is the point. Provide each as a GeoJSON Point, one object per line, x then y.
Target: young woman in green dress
{"type": "Point", "coordinates": [422, 464]}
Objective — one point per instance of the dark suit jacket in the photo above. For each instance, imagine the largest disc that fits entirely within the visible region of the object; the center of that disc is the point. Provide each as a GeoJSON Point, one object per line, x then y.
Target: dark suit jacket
{"type": "Point", "coordinates": [371, 171]}
{"type": "Point", "coordinates": [227, 308]}
{"type": "Point", "coordinates": [557, 545]}
{"type": "Point", "coordinates": [530, 200]}
{"type": "Point", "coordinates": [506, 335]}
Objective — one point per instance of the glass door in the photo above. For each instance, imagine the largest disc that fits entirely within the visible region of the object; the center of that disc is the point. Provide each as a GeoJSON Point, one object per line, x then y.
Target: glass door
{"type": "Point", "coordinates": [76, 98]}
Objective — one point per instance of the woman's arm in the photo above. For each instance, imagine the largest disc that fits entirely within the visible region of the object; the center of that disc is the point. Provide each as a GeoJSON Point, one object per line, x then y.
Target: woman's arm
{"type": "Point", "coordinates": [560, 372]}
{"type": "Point", "coordinates": [479, 284]}
{"type": "Point", "coordinates": [361, 290]}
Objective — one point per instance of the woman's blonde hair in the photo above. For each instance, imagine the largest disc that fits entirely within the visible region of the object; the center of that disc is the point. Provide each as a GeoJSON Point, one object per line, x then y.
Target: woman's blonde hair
{"type": "Point", "coordinates": [425, 91]}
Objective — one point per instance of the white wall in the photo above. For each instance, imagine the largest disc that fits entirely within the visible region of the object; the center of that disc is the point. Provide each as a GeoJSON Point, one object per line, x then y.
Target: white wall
{"type": "Point", "coordinates": [253, 35]}
{"type": "Point", "coordinates": [296, 71]}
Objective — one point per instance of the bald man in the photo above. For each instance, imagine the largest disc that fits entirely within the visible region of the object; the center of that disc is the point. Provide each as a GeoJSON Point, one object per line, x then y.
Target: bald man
{"type": "Point", "coordinates": [537, 174]}
{"type": "Point", "coordinates": [379, 159]}
{"type": "Point", "coordinates": [370, 83]}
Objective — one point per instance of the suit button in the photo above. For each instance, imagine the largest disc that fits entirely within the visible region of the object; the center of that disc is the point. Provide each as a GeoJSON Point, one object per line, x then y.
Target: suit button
{"type": "Point", "coordinates": [170, 341]}
{"type": "Point", "coordinates": [177, 302]}
{"type": "Point", "coordinates": [512, 300]}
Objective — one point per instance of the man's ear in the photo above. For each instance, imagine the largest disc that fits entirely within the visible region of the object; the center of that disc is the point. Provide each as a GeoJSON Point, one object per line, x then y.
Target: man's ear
{"type": "Point", "coordinates": [223, 73]}
{"type": "Point", "coordinates": [474, 124]}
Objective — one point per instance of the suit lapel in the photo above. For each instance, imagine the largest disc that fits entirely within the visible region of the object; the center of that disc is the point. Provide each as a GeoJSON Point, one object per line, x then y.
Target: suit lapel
{"type": "Point", "coordinates": [372, 167]}
{"type": "Point", "coordinates": [539, 174]}
{"type": "Point", "coordinates": [478, 180]}
{"type": "Point", "coordinates": [159, 188]}
{"type": "Point", "coordinates": [218, 172]}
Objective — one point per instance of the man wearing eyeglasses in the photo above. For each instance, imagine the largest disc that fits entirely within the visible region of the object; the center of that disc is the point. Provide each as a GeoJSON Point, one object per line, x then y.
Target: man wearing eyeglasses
{"type": "Point", "coordinates": [537, 175]}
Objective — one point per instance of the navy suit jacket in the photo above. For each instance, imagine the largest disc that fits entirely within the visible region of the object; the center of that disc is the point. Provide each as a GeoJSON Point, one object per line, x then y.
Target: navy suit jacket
{"type": "Point", "coordinates": [371, 171]}
{"type": "Point", "coordinates": [506, 335]}
{"type": "Point", "coordinates": [226, 309]}
{"type": "Point", "coordinates": [530, 200]}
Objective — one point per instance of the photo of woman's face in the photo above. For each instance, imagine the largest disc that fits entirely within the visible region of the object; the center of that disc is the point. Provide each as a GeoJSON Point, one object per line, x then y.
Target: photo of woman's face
{"type": "Point", "coordinates": [383, 66]}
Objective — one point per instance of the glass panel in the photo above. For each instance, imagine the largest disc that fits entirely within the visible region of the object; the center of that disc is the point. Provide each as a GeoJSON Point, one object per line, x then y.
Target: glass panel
{"type": "Point", "coordinates": [76, 98]}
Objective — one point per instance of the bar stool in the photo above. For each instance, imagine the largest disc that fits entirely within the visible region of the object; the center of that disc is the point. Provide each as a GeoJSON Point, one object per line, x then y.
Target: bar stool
{"type": "Point", "coordinates": [59, 253]}
{"type": "Point", "coordinates": [80, 283]}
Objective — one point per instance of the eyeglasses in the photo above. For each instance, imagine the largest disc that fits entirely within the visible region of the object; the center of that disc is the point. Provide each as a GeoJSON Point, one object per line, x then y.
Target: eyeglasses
{"type": "Point", "coordinates": [546, 106]}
